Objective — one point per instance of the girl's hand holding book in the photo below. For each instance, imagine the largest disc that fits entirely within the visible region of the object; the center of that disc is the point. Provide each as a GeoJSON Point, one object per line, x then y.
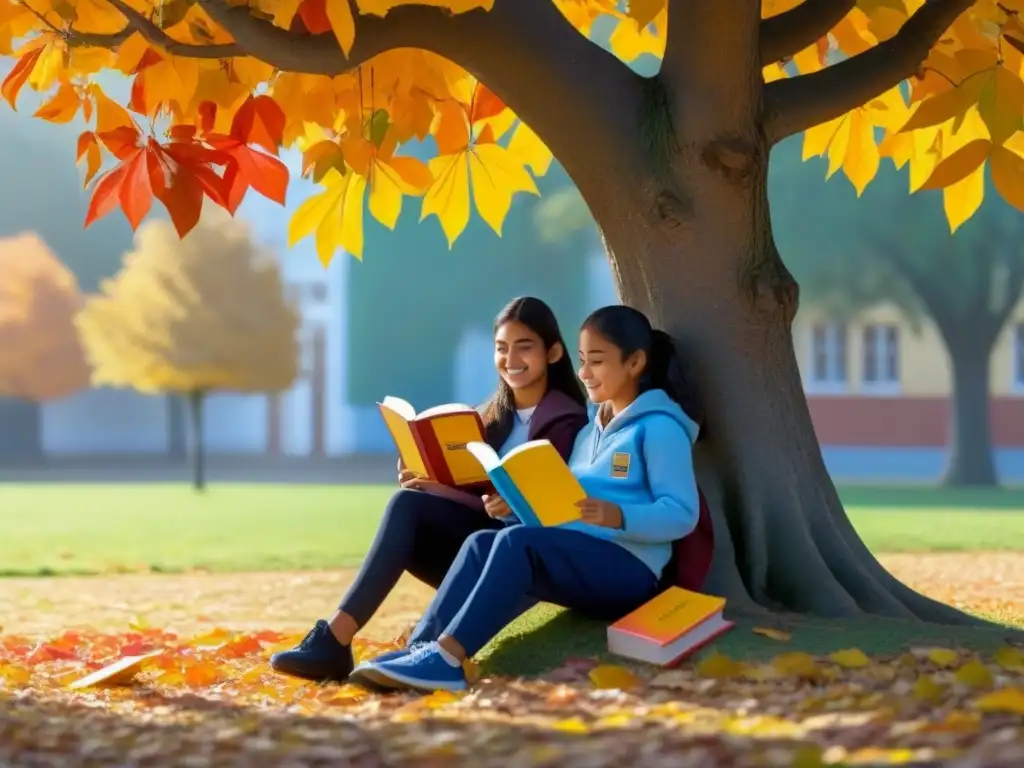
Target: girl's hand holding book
{"type": "Point", "coordinates": [598, 512]}
{"type": "Point", "coordinates": [496, 507]}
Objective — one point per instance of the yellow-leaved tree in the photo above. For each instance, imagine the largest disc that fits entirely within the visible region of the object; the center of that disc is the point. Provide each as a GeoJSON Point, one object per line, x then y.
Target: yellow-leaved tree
{"type": "Point", "coordinates": [204, 313]}
{"type": "Point", "coordinates": [41, 358]}
{"type": "Point", "coordinates": [673, 167]}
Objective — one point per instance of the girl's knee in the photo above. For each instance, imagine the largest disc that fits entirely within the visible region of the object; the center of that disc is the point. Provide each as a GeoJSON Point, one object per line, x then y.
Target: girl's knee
{"type": "Point", "coordinates": [480, 542]}
{"type": "Point", "coordinates": [518, 535]}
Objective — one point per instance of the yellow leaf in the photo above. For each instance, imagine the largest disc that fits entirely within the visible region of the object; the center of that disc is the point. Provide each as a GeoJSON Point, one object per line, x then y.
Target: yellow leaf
{"type": "Point", "coordinates": [1000, 102]}
{"type": "Point", "coordinates": [527, 146]}
{"type": "Point", "coordinates": [958, 165]}
{"type": "Point", "coordinates": [448, 196]}
{"type": "Point", "coordinates": [1009, 657]}
{"type": "Point", "coordinates": [952, 104]}
{"type": "Point", "coordinates": [773, 634]}
{"type": "Point", "coordinates": [335, 215]}
{"type": "Point", "coordinates": [796, 664]}
{"type": "Point", "coordinates": [571, 725]}
{"type": "Point", "coordinates": [974, 674]}
{"type": "Point", "coordinates": [1006, 700]}
{"type": "Point", "coordinates": [838, 145]}
{"type": "Point", "coordinates": [611, 676]}
{"type": "Point", "coordinates": [719, 667]}
{"type": "Point", "coordinates": [861, 161]}
{"type": "Point", "coordinates": [941, 657]}
{"type": "Point", "coordinates": [471, 670]}
{"type": "Point", "coordinates": [1007, 170]}
{"type": "Point", "coordinates": [962, 199]}
{"type": "Point", "coordinates": [818, 138]}
{"type": "Point", "coordinates": [851, 658]}
{"type": "Point", "coordinates": [927, 690]}
{"type": "Point", "coordinates": [339, 13]}
{"type": "Point", "coordinates": [496, 176]}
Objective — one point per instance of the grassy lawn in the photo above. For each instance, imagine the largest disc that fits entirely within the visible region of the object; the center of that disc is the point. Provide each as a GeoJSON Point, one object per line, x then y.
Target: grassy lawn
{"type": "Point", "coordinates": [95, 528]}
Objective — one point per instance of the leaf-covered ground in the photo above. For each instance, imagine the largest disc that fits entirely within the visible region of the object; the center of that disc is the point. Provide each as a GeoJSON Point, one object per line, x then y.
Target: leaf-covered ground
{"type": "Point", "coordinates": [209, 699]}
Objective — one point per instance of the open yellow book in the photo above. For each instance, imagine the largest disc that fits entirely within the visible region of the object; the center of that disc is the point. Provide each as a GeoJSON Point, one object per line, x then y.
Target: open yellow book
{"type": "Point", "coordinates": [534, 480]}
{"type": "Point", "coordinates": [432, 444]}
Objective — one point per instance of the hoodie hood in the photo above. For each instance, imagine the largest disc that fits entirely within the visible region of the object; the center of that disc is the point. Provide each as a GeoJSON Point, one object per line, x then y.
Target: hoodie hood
{"type": "Point", "coordinates": [651, 402]}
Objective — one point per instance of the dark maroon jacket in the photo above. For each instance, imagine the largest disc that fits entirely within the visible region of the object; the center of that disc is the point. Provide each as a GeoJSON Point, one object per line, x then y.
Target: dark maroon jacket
{"type": "Point", "coordinates": [558, 418]}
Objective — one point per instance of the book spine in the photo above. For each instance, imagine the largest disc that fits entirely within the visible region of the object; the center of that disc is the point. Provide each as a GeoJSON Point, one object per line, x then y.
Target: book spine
{"type": "Point", "coordinates": [432, 452]}
{"type": "Point", "coordinates": [701, 645]}
{"type": "Point", "coordinates": [507, 489]}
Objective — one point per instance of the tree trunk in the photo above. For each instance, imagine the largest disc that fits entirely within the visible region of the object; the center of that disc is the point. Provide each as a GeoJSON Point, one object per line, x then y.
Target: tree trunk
{"type": "Point", "coordinates": [970, 432]}
{"type": "Point", "coordinates": [195, 411]}
{"type": "Point", "coordinates": [700, 260]}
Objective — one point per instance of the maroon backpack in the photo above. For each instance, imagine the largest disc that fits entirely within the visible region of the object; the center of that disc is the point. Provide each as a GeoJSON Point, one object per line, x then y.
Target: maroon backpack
{"type": "Point", "coordinates": [691, 555]}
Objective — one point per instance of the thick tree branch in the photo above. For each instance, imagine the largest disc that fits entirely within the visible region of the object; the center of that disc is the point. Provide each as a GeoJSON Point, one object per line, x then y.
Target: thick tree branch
{"type": "Point", "coordinates": [790, 32]}
{"type": "Point", "coordinates": [795, 104]}
{"type": "Point", "coordinates": [708, 43]}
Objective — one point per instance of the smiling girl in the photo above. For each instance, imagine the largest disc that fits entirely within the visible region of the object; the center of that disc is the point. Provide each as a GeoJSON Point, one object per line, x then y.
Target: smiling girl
{"type": "Point", "coordinates": [425, 524]}
{"type": "Point", "coordinates": [634, 462]}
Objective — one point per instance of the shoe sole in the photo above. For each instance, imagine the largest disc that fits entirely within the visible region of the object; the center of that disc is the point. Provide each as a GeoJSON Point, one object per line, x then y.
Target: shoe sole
{"type": "Point", "coordinates": [305, 675]}
{"type": "Point", "coordinates": [417, 685]}
{"type": "Point", "coordinates": [372, 680]}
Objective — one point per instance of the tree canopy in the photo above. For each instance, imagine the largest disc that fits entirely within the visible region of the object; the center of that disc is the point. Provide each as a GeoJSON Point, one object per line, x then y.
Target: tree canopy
{"type": "Point", "coordinates": [40, 355]}
{"type": "Point", "coordinates": [220, 86]}
{"type": "Point", "coordinates": [198, 314]}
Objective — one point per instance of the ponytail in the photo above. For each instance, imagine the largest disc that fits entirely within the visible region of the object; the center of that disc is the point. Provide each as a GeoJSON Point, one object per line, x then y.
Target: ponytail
{"type": "Point", "coordinates": [630, 330]}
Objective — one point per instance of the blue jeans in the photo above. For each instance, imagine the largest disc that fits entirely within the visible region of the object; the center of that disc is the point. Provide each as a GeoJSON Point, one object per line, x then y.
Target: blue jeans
{"type": "Point", "coordinates": [498, 573]}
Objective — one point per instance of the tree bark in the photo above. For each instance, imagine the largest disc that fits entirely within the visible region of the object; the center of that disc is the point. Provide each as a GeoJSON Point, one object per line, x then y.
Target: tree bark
{"type": "Point", "coordinates": [705, 268]}
{"type": "Point", "coordinates": [971, 462]}
{"type": "Point", "coordinates": [196, 446]}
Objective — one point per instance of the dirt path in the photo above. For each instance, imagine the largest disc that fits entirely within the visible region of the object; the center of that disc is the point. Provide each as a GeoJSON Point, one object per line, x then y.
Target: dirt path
{"type": "Point", "coordinates": [992, 583]}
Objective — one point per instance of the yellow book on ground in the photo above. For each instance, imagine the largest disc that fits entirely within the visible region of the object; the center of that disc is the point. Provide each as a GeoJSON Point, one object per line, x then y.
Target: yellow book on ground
{"type": "Point", "coordinates": [534, 480]}
{"type": "Point", "coordinates": [669, 627]}
{"type": "Point", "coordinates": [432, 444]}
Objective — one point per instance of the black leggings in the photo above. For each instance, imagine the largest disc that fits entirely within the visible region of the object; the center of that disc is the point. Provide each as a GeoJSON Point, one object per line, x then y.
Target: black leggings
{"type": "Point", "coordinates": [420, 533]}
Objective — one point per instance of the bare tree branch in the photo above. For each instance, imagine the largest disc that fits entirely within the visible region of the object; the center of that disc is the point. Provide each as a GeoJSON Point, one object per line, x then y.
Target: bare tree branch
{"type": "Point", "coordinates": [790, 32]}
{"type": "Point", "coordinates": [795, 104]}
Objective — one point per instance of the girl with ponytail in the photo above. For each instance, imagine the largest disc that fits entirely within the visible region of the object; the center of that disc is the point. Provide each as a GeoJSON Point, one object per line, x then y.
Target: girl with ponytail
{"type": "Point", "coordinates": [633, 459]}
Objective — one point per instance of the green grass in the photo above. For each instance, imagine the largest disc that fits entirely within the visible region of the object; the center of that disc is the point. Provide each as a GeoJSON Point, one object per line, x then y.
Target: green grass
{"type": "Point", "coordinates": [69, 529]}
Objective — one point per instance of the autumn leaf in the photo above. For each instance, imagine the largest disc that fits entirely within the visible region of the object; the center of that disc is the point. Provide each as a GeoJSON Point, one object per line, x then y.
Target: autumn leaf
{"type": "Point", "coordinates": [958, 165]}
{"type": "Point", "coordinates": [612, 676]}
{"type": "Point", "coordinates": [19, 75]}
{"type": "Point", "coordinates": [89, 151]}
{"type": "Point", "coordinates": [334, 215]}
{"type": "Point", "coordinates": [62, 107]}
{"type": "Point", "coordinates": [773, 634]}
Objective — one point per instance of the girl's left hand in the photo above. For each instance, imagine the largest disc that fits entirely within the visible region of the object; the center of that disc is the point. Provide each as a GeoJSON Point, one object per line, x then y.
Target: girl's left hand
{"type": "Point", "coordinates": [597, 512]}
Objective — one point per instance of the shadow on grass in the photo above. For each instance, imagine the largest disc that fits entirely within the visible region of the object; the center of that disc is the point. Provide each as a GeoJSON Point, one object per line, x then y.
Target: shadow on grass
{"type": "Point", "coordinates": [546, 637]}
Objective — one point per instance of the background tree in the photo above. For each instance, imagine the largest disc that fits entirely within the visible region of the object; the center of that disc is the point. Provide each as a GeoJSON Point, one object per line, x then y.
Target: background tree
{"type": "Point", "coordinates": [673, 166]}
{"type": "Point", "coordinates": [192, 316]}
{"type": "Point", "coordinates": [893, 248]}
{"type": "Point", "coordinates": [41, 358]}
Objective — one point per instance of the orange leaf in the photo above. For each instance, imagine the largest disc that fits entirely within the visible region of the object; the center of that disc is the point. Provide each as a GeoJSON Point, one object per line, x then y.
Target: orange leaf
{"type": "Point", "coordinates": [18, 76]}
{"type": "Point", "coordinates": [247, 168]}
{"type": "Point", "coordinates": [105, 194]}
{"type": "Point", "coordinates": [63, 107]}
{"type": "Point", "coordinates": [485, 104]}
{"type": "Point", "coordinates": [89, 148]}
{"type": "Point", "coordinates": [121, 142]}
{"type": "Point", "coordinates": [450, 128]}
{"type": "Point", "coordinates": [259, 121]}
{"type": "Point", "coordinates": [201, 674]}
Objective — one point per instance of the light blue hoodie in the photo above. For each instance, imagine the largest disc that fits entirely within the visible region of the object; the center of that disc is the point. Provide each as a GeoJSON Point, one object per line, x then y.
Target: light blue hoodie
{"type": "Point", "coordinates": [642, 461]}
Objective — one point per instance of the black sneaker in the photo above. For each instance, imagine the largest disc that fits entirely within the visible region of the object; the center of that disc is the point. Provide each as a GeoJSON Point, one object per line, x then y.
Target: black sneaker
{"type": "Point", "coordinates": [319, 657]}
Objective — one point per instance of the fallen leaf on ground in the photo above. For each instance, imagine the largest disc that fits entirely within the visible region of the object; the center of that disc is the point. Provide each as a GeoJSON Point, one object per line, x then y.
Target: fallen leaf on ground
{"type": "Point", "coordinates": [773, 634]}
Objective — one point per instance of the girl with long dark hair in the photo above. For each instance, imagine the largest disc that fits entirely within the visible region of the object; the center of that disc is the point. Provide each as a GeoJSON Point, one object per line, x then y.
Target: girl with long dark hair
{"type": "Point", "coordinates": [425, 524]}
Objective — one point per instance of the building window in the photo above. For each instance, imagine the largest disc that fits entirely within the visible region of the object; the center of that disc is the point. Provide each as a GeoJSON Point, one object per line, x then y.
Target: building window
{"type": "Point", "coordinates": [881, 369]}
{"type": "Point", "coordinates": [1018, 355]}
{"type": "Point", "coordinates": [828, 356]}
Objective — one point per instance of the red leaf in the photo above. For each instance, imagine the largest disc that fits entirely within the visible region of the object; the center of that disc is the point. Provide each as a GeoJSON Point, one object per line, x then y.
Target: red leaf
{"type": "Point", "coordinates": [149, 58]}
{"type": "Point", "coordinates": [122, 142]}
{"type": "Point", "coordinates": [259, 121]}
{"type": "Point", "coordinates": [182, 133]}
{"type": "Point", "coordinates": [136, 192]}
{"type": "Point", "coordinates": [207, 113]}
{"type": "Point", "coordinates": [137, 101]}
{"type": "Point", "coordinates": [177, 189]}
{"type": "Point", "coordinates": [105, 194]}
{"type": "Point", "coordinates": [485, 104]}
{"type": "Point", "coordinates": [250, 168]}
{"type": "Point", "coordinates": [20, 74]}
{"type": "Point", "coordinates": [314, 15]}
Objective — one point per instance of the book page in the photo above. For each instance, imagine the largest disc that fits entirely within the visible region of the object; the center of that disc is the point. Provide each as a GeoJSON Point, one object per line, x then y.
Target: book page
{"type": "Point", "coordinates": [453, 432]}
{"type": "Point", "coordinates": [402, 407]}
{"type": "Point", "coordinates": [401, 433]}
{"type": "Point", "coordinates": [441, 410]}
{"type": "Point", "coordinates": [545, 482]}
